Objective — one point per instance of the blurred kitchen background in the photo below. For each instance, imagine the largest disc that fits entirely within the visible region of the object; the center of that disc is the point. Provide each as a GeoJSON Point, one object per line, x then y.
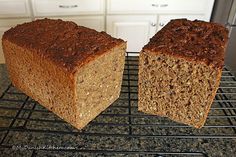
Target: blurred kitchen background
{"type": "Point", "coordinates": [132, 20]}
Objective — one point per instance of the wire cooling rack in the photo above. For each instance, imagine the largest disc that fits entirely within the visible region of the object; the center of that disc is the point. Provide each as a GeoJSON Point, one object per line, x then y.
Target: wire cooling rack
{"type": "Point", "coordinates": [28, 129]}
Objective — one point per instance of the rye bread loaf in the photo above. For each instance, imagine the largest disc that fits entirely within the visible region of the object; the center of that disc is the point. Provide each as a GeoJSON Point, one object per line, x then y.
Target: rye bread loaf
{"type": "Point", "coordinates": [73, 71]}
{"type": "Point", "coordinates": [180, 70]}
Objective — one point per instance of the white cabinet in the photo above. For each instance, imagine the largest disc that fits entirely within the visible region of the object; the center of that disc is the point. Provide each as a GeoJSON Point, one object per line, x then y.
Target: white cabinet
{"type": "Point", "coordinates": [88, 13]}
{"type": "Point", "coordinates": [135, 29]}
{"type": "Point", "coordinates": [65, 7]}
{"type": "Point", "coordinates": [159, 6]}
{"type": "Point", "coordinates": [14, 8]}
{"type": "Point", "coordinates": [130, 6]}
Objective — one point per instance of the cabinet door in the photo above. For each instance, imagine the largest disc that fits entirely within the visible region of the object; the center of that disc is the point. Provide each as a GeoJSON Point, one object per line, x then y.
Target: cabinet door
{"type": "Point", "coordinates": [93, 22]}
{"type": "Point", "coordinates": [164, 19]}
{"type": "Point", "coordinates": [160, 6]}
{"type": "Point", "coordinates": [14, 8]}
{"type": "Point", "coordinates": [65, 7]}
{"type": "Point", "coordinates": [136, 30]}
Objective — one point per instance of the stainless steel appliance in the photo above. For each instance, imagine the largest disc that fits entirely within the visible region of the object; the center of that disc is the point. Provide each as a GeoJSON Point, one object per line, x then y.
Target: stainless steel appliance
{"type": "Point", "coordinates": [224, 12]}
{"type": "Point", "coordinates": [231, 52]}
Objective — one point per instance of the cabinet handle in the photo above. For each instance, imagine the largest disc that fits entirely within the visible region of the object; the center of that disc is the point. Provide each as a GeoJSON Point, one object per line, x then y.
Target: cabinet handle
{"type": "Point", "coordinates": [155, 5]}
{"type": "Point", "coordinates": [164, 5]}
{"type": "Point", "coordinates": [161, 24]}
{"type": "Point", "coordinates": [153, 24]}
{"type": "Point", "coordinates": [68, 6]}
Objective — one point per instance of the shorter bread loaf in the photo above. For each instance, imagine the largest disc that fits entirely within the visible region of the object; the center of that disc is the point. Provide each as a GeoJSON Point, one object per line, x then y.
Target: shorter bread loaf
{"type": "Point", "coordinates": [180, 70]}
{"type": "Point", "coordinates": [73, 71]}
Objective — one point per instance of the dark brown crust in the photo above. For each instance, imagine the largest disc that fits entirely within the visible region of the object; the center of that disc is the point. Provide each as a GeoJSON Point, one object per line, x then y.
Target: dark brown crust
{"type": "Point", "coordinates": [192, 40]}
{"type": "Point", "coordinates": [65, 43]}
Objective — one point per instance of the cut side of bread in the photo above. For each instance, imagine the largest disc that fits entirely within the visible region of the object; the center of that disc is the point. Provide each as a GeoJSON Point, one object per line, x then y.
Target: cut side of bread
{"type": "Point", "coordinates": [99, 84]}
{"type": "Point", "coordinates": [176, 88]}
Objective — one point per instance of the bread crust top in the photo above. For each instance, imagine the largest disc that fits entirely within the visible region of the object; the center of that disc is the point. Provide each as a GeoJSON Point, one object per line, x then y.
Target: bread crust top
{"type": "Point", "coordinates": [65, 43]}
{"type": "Point", "coordinates": [197, 41]}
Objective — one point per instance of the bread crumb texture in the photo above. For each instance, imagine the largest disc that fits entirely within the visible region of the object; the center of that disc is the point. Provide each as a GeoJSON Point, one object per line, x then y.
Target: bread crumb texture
{"type": "Point", "coordinates": [178, 72]}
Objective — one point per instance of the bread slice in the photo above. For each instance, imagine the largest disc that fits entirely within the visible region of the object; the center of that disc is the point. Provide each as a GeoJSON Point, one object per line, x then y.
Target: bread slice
{"type": "Point", "coordinates": [180, 70]}
{"type": "Point", "coordinates": [73, 71]}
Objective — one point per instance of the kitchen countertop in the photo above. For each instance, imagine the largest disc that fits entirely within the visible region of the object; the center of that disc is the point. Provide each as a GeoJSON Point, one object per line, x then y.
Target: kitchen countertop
{"type": "Point", "coordinates": [4, 80]}
{"type": "Point", "coordinates": [30, 140]}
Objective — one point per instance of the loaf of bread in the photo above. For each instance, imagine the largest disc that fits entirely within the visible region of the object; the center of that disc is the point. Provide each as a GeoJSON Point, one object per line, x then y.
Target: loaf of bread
{"type": "Point", "coordinates": [180, 70]}
{"type": "Point", "coordinates": [73, 71]}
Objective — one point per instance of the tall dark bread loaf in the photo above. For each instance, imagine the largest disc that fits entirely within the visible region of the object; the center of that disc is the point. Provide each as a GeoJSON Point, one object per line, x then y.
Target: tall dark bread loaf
{"type": "Point", "coordinates": [73, 71]}
{"type": "Point", "coordinates": [180, 70]}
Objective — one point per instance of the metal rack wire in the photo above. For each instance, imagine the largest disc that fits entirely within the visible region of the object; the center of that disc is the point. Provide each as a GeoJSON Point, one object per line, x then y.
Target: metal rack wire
{"type": "Point", "coordinates": [28, 129]}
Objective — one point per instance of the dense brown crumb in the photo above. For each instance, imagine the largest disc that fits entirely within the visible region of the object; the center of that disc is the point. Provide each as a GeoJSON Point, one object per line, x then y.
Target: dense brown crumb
{"type": "Point", "coordinates": [180, 70]}
{"type": "Point", "coordinates": [176, 88]}
{"type": "Point", "coordinates": [193, 40]}
{"type": "Point", "coordinates": [65, 43]}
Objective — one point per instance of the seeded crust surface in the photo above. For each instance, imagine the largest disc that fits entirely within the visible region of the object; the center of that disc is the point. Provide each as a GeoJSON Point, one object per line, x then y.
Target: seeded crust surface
{"type": "Point", "coordinates": [192, 40]}
{"type": "Point", "coordinates": [64, 43]}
